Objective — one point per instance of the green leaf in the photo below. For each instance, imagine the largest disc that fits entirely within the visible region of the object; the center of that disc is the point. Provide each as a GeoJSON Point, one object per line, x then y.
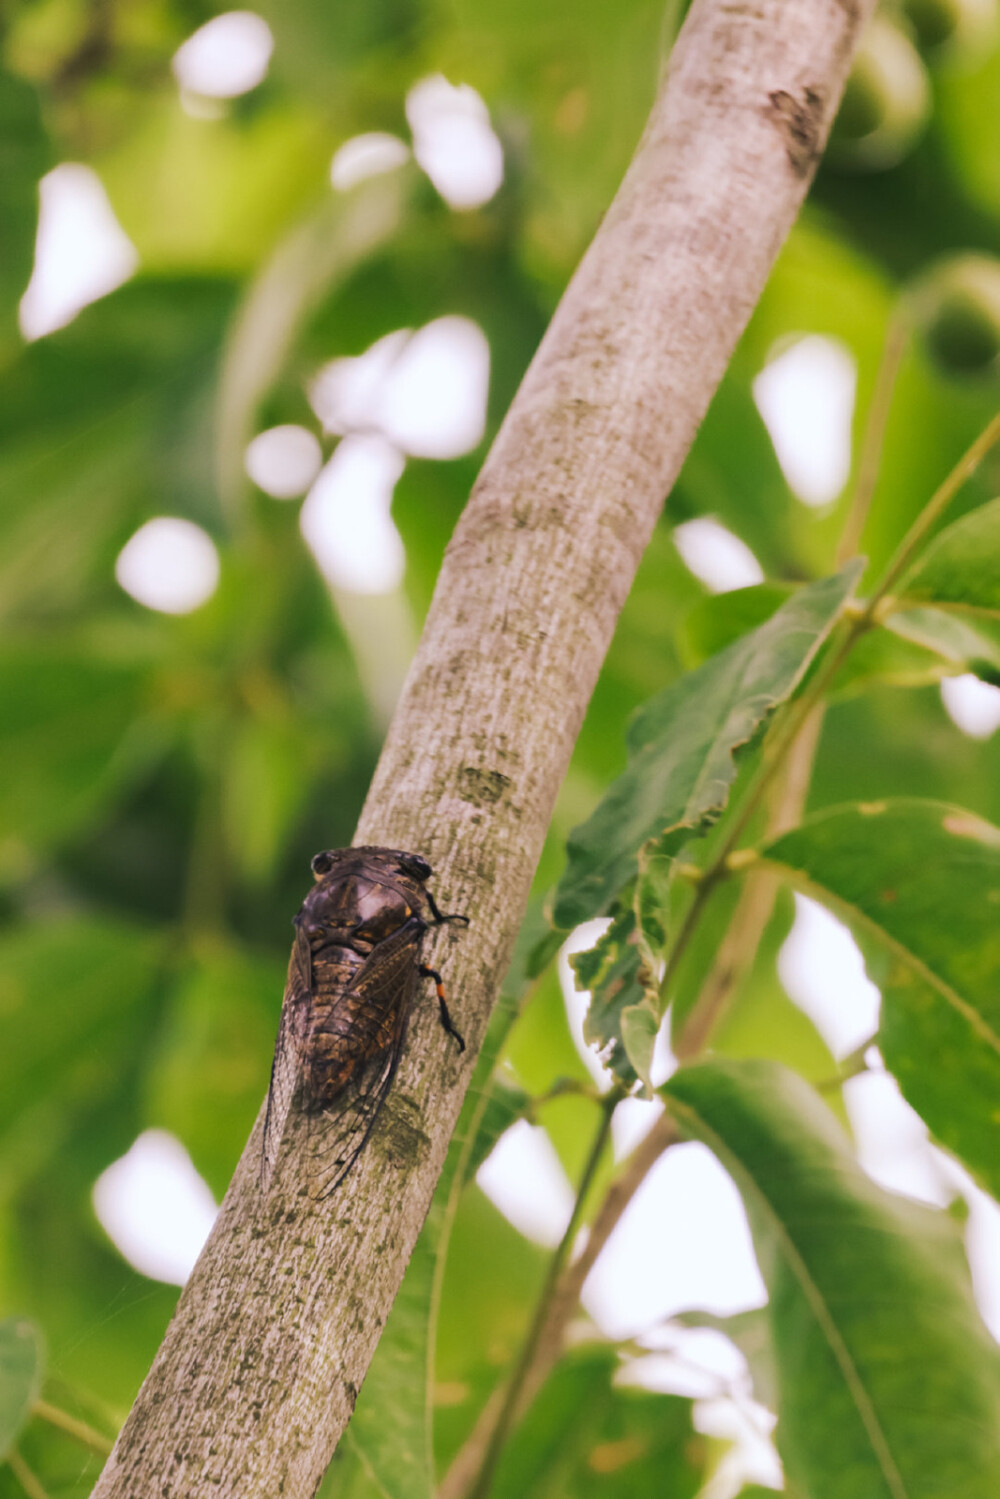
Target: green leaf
{"type": "Point", "coordinates": [210, 1067]}
{"type": "Point", "coordinates": [586, 1438]}
{"type": "Point", "coordinates": [266, 784]}
{"type": "Point", "coordinates": [622, 971]}
{"type": "Point", "coordinates": [949, 600]}
{"type": "Point", "coordinates": [881, 1357]}
{"type": "Point", "coordinates": [22, 1358]}
{"type": "Point", "coordinates": [924, 878]}
{"type": "Point", "coordinates": [968, 641]}
{"type": "Point", "coordinates": [900, 658]}
{"type": "Point", "coordinates": [65, 720]}
{"type": "Point", "coordinates": [684, 744]}
{"type": "Point", "coordinates": [610, 972]}
{"type": "Point", "coordinates": [392, 1425]}
{"type": "Point", "coordinates": [25, 155]}
{"type": "Point", "coordinates": [78, 991]}
{"type": "Point", "coordinates": [723, 617]}
{"type": "Point", "coordinates": [639, 1028]}
{"type": "Point", "coordinates": [750, 1331]}
{"type": "Point", "coordinates": [960, 569]}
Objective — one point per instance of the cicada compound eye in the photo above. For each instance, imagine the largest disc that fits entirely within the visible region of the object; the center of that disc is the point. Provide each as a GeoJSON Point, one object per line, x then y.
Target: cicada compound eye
{"type": "Point", "coordinates": [322, 863]}
{"type": "Point", "coordinates": [416, 865]}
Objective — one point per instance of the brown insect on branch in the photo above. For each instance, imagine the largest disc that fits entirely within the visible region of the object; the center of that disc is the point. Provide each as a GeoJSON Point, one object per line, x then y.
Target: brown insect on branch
{"type": "Point", "coordinates": [258, 1372]}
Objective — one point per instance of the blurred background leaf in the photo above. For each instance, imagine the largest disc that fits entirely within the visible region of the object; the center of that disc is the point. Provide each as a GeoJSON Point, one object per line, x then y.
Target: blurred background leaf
{"type": "Point", "coordinates": [167, 775]}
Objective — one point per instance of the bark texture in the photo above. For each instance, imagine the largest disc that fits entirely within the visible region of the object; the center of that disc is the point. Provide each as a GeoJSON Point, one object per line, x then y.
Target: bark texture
{"type": "Point", "coordinates": [260, 1367]}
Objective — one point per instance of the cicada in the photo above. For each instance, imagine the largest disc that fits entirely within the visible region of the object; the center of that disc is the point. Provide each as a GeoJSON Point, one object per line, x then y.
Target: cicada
{"type": "Point", "coordinates": [353, 979]}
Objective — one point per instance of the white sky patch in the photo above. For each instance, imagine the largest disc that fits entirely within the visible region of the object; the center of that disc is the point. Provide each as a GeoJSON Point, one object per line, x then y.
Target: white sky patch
{"type": "Point", "coordinates": [892, 1141]}
{"type": "Point", "coordinates": [346, 519]}
{"type": "Point", "coordinates": [633, 1119]}
{"type": "Point", "coordinates": [347, 394]}
{"type": "Point", "coordinates": [698, 1362]}
{"type": "Point", "coordinates": [524, 1179]}
{"type": "Point", "coordinates": [821, 968]}
{"type": "Point", "coordinates": [169, 564]}
{"type": "Point", "coordinates": [753, 1457]}
{"type": "Point", "coordinates": [284, 461]}
{"type": "Point", "coordinates": [972, 705]}
{"type": "Point", "coordinates": [366, 156]}
{"type": "Point", "coordinates": [894, 1148]}
{"type": "Point", "coordinates": [805, 396]}
{"type": "Point", "coordinates": [717, 558]}
{"type": "Point", "coordinates": [454, 142]}
{"type": "Point", "coordinates": [155, 1208]}
{"type": "Point", "coordinates": [982, 1239]}
{"type": "Point", "coordinates": [226, 57]}
{"type": "Point", "coordinates": [649, 1270]}
{"type": "Point", "coordinates": [434, 400]}
{"type": "Point", "coordinates": [81, 250]}
{"type": "Point", "coordinates": [425, 391]}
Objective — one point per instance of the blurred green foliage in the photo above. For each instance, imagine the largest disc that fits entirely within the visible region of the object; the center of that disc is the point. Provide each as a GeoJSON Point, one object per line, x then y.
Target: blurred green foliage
{"type": "Point", "coordinates": [165, 779]}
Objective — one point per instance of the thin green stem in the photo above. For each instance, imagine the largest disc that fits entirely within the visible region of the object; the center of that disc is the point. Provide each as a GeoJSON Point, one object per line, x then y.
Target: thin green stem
{"type": "Point", "coordinates": [934, 509]}
{"type": "Point", "coordinates": [29, 1483]}
{"type": "Point", "coordinates": [870, 459]}
{"type": "Point", "coordinates": [853, 1065]}
{"type": "Point", "coordinates": [73, 1427]}
{"type": "Point", "coordinates": [782, 738]}
{"type": "Point", "coordinates": [789, 722]}
{"type": "Point", "coordinates": [480, 1487]}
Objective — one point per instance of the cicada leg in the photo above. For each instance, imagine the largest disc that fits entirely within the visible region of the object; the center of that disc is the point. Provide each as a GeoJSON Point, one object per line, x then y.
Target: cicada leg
{"type": "Point", "coordinates": [442, 917]}
{"type": "Point", "coordinates": [446, 1020]}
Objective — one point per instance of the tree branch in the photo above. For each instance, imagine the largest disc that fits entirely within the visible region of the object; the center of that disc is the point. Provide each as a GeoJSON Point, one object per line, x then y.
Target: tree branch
{"type": "Point", "coordinates": [562, 1306]}
{"type": "Point", "coordinates": [260, 1367]}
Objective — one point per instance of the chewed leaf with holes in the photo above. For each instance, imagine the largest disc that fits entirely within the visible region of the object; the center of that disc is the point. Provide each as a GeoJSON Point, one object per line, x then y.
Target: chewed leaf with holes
{"type": "Point", "coordinates": [684, 746]}
{"type": "Point", "coordinates": [610, 971]}
{"type": "Point", "coordinates": [621, 974]}
{"type": "Point", "coordinates": [888, 1383]}
{"type": "Point", "coordinates": [924, 878]}
{"type": "Point", "coordinates": [21, 1359]}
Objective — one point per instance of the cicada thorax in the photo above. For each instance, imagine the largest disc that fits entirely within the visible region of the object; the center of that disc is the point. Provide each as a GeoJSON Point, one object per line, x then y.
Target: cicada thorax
{"type": "Point", "coordinates": [359, 911]}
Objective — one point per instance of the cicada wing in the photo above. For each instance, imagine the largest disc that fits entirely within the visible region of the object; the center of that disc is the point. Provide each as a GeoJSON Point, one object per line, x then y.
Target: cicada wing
{"type": "Point", "coordinates": [339, 1134]}
{"type": "Point", "coordinates": [388, 982]}
{"type": "Point", "coordinates": [286, 1068]}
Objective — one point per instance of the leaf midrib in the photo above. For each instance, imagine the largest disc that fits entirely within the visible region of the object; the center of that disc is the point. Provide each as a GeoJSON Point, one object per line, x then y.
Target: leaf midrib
{"type": "Point", "coordinates": [862, 1401]}
{"type": "Point", "coordinates": [807, 886]}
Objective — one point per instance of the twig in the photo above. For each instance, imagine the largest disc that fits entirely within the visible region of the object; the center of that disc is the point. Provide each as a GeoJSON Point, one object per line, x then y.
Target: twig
{"type": "Point", "coordinates": [870, 458]}
{"type": "Point", "coordinates": [933, 510]}
{"type": "Point", "coordinates": [562, 1306]}
{"type": "Point", "coordinates": [514, 1390]}
{"type": "Point", "coordinates": [73, 1427]}
{"type": "Point", "coordinates": [29, 1483]}
{"type": "Point", "coordinates": [853, 1065]}
{"type": "Point", "coordinates": [785, 734]}
{"type": "Point", "coordinates": [293, 1295]}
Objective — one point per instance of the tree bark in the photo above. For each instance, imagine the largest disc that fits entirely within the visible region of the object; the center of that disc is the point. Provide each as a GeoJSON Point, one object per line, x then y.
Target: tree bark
{"type": "Point", "coordinates": [260, 1367]}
